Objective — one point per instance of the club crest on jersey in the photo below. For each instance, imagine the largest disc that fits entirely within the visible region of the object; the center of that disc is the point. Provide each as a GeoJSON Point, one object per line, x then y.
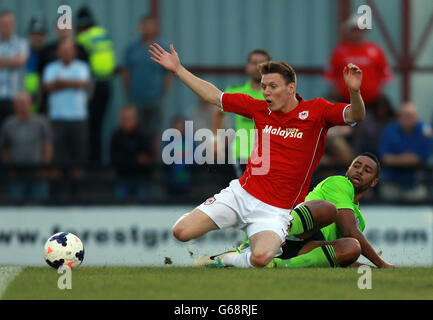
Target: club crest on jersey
{"type": "Point", "coordinates": [209, 201]}
{"type": "Point", "coordinates": [285, 133]}
{"type": "Point", "coordinates": [303, 115]}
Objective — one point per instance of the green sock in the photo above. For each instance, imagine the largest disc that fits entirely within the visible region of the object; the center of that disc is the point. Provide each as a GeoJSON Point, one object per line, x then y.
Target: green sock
{"type": "Point", "coordinates": [320, 257]}
{"type": "Point", "coordinates": [302, 221]}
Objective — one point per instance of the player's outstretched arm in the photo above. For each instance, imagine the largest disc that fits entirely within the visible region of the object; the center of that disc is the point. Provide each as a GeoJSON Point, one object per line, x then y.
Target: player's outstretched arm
{"type": "Point", "coordinates": [170, 61]}
{"type": "Point", "coordinates": [353, 78]}
{"type": "Point", "coordinates": [347, 224]}
{"type": "Point", "coordinates": [217, 120]}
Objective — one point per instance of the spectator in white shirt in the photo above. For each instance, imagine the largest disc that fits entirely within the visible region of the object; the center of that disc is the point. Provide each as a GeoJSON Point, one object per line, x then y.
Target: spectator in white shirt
{"type": "Point", "coordinates": [13, 57]}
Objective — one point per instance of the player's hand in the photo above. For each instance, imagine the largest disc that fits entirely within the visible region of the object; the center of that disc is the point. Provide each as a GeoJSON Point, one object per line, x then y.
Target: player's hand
{"type": "Point", "coordinates": [169, 60]}
{"type": "Point", "coordinates": [352, 77]}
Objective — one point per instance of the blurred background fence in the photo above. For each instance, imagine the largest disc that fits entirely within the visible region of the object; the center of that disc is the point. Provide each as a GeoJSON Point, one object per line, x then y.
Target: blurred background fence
{"type": "Point", "coordinates": [213, 38]}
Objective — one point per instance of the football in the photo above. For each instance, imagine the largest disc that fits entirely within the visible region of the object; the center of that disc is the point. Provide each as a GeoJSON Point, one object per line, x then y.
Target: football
{"type": "Point", "coordinates": [64, 248]}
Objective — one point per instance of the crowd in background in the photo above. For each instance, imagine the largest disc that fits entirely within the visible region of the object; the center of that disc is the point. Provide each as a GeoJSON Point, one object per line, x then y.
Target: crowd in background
{"type": "Point", "coordinates": [54, 98]}
{"type": "Point", "coordinates": [401, 140]}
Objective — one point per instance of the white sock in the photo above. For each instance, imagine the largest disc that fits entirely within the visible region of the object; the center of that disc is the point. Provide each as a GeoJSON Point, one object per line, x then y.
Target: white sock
{"type": "Point", "coordinates": [238, 260]}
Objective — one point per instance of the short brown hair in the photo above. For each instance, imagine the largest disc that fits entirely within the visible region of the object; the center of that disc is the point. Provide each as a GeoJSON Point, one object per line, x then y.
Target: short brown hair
{"type": "Point", "coordinates": [282, 68]}
{"type": "Point", "coordinates": [260, 51]}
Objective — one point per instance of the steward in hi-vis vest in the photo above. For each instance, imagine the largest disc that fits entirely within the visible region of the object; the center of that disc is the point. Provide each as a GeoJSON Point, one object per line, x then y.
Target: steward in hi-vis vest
{"type": "Point", "coordinates": [102, 63]}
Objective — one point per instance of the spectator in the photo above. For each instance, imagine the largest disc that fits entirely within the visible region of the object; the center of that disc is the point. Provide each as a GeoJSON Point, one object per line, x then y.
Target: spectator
{"type": "Point", "coordinates": [13, 57]}
{"type": "Point", "coordinates": [338, 151]}
{"type": "Point", "coordinates": [37, 33]}
{"type": "Point", "coordinates": [48, 54]}
{"type": "Point", "coordinates": [102, 61]}
{"type": "Point", "coordinates": [130, 152]}
{"type": "Point", "coordinates": [406, 145]}
{"type": "Point", "coordinates": [145, 82]}
{"type": "Point", "coordinates": [178, 175]}
{"type": "Point", "coordinates": [201, 115]}
{"type": "Point", "coordinates": [367, 55]}
{"type": "Point", "coordinates": [26, 141]}
{"type": "Point", "coordinates": [376, 71]}
{"type": "Point", "coordinates": [366, 133]}
{"type": "Point", "coordinates": [66, 81]}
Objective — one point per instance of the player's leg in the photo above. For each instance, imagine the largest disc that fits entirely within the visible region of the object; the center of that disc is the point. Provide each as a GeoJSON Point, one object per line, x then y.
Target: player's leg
{"type": "Point", "coordinates": [323, 254]}
{"type": "Point", "coordinates": [265, 225]}
{"type": "Point", "coordinates": [347, 250]}
{"type": "Point", "coordinates": [266, 233]}
{"type": "Point", "coordinates": [264, 245]}
{"type": "Point", "coordinates": [310, 217]}
{"type": "Point", "coordinates": [193, 225]}
{"type": "Point", "coordinates": [217, 212]}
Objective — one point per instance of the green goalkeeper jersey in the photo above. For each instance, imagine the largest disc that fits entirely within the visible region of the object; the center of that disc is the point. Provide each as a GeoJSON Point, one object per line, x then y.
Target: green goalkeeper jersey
{"type": "Point", "coordinates": [243, 152]}
{"type": "Point", "coordinates": [340, 191]}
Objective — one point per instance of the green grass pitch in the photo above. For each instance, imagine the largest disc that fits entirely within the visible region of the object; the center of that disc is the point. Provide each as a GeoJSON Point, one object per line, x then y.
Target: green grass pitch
{"type": "Point", "coordinates": [186, 283]}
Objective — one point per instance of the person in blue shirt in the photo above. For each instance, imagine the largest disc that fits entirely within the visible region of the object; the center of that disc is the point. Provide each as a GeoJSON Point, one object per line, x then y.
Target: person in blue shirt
{"type": "Point", "coordinates": [406, 145]}
{"type": "Point", "coordinates": [179, 175]}
{"type": "Point", "coordinates": [146, 83]}
{"type": "Point", "coordinates": [66, 81]}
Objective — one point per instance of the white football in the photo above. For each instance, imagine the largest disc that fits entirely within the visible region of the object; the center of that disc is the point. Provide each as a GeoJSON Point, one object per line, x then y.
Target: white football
{"type": "Point", "coordinates": [64, 248]}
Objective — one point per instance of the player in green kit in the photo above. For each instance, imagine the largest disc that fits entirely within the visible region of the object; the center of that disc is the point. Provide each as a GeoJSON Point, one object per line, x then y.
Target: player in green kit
{"type": "Point", "coordinates": [342, 242]}
{"type": "Point", "coordinates": [242, 125]}
{"type": "Point", "coordinates": [338, 244]}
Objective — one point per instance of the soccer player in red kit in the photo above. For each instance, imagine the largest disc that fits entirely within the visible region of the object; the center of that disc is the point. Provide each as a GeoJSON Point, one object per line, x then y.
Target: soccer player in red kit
{"type": "Point", "coordinates": [290, 140]}
{"type": "Point", "coordinates": [367, 55]}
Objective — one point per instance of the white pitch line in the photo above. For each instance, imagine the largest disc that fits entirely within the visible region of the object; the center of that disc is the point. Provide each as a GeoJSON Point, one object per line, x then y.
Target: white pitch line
{"type": "Point", "coordinates": [7, 274]}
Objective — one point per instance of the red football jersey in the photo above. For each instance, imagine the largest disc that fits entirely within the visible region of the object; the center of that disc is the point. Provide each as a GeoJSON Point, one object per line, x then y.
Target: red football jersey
{"type": "Point", "coordinates": [370, 58]}
{"type": "Point", "coordinates": [288, 146]}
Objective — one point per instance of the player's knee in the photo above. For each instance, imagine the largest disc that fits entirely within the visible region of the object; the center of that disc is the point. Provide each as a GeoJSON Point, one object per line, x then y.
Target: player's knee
{"type": "Point", "coordinates": [180, 233]}
{"type": "Point", "coordinates": [323, 211]}
{"type": "Point", "coordinates": [355, 248]}
{"type": "Point", "coordinates": [352, 245]}
{"type": "Point", "coordinates": [260, 259]}
{"type": "Point", "coordinates": [330, 211]}
{"type": "Point", "coordinates": [348, 251]}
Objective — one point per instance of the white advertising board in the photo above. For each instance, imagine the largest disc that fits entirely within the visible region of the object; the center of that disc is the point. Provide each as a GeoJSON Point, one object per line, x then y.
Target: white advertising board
{"type": "Point", "coordinates": [134, 235]}
{"type": "Point", "coordinates": [111, 235]}
{"type": "Point", "coordinates": [403, 234]}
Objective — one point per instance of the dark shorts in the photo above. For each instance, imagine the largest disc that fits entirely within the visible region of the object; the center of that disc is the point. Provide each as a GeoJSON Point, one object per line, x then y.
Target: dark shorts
{"type": "Point", "coordinates": [292, 248]}
{"type": "Point", "coordinates": [70, 142]}
{"type": "Point", "coordinates": [151, 118]}
{"type": "Point", "coordinates": [239, 169]}
{"type": "Point", "coordinates": [6, 109]}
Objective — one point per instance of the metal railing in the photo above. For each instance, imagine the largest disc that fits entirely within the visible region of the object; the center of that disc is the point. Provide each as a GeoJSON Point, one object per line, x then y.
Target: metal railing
{"type": "Point", "coordinates": [157, 184]}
